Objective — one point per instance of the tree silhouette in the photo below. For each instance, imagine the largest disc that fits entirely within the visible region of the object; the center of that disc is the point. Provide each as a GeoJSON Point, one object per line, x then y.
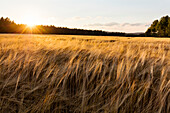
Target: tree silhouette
{"type": "Point", "coordinates": [159, 28]}
{"type": "Point", "coordinates": [8, 26]}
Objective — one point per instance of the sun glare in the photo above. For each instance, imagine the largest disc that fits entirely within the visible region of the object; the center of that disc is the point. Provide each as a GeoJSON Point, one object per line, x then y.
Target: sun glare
{"type": "Point", "coordinates": [31, 25]}
{"type": "Point", "coordinates": [31, 21]}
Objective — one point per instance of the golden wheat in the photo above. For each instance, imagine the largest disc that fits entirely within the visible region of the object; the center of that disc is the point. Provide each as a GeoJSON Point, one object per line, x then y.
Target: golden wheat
{"type": "Point", "coordinates": [51, 73]}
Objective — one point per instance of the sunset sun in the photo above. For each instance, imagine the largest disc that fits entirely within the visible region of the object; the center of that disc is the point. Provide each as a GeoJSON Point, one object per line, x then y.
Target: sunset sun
{"type": "Point", "coordinates": [31, 20]}
{"type": "Point", "coordinates": [30, 25]}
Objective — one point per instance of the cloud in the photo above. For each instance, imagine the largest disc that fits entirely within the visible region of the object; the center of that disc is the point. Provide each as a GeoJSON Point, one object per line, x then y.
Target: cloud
{"type": "Point", "coordinates": [116, 24]}
{"type": "Point", "coordinates": [107, 24]}
{"type": "Point", "coordinates": [111, 24]}
{"type": "Point", "coordinates": [147, 25]}
{"type": "Point", "coordinates": [132, 24]}
{"type": "Point", "coordinates": [119, 27]}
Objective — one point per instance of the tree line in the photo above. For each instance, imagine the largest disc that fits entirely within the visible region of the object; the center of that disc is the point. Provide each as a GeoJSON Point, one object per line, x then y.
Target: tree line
{"type": "Point", "coordinates": [8, 26]}
{"type": "Point", "coordinates": [159, 28]}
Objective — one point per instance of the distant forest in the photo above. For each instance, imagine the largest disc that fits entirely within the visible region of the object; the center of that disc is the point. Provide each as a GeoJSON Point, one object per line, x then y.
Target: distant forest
{"type": "Point", "coordinates": [8, 26]}
{"type": "Point", "coordinates": [160, 28]}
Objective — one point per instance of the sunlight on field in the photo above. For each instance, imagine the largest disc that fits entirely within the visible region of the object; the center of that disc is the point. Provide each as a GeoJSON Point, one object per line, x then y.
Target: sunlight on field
{"type": "Point", "coordinates": [67, 73]}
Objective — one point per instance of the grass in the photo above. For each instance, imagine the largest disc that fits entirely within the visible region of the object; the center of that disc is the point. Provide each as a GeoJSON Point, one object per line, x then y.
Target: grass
{"type": "Point", "coordinates": [50, 73]}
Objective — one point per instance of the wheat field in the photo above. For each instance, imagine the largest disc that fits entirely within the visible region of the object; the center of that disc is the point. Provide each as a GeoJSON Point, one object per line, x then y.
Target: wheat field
{"type": "Point", "coordinates": [87, 74]}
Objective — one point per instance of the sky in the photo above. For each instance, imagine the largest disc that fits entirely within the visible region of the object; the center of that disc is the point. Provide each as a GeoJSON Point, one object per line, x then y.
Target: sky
{"type": "Point", "coordinates": [108, 15]}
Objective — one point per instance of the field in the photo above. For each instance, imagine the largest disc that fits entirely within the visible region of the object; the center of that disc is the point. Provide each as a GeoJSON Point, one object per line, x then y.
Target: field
{"type": "Point", "coordinates": [56, 73]}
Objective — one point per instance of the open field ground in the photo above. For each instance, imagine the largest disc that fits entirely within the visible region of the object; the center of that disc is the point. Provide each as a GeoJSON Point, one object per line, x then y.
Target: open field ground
{"type": "Point", "coordinates": [56, 73]}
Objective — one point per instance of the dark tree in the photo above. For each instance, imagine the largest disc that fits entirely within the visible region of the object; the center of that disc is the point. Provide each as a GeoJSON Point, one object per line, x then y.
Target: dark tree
{"type": "Point", "coordinates": [159, 28]}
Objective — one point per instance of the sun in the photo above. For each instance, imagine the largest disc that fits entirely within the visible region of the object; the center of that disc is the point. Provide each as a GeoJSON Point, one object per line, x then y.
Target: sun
{"type": "Point", "coordinates": [31, 21]}
{"type": "Point", "coordinates": [30, 25]}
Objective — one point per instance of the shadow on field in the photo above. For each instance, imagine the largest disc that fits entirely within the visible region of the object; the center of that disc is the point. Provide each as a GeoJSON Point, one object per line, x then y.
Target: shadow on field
{"type": "Point", "coordinates": [89, 40]}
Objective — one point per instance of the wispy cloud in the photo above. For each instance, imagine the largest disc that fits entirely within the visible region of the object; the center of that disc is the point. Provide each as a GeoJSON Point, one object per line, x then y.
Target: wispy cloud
{"type": "Point", "coordinates": [116, 24]}
{"type": "Point", "coordinates": [119, 27]}
{"type": "Point", "coordinates": [107, 24]}
{"type": "Point", "coordinates": [132, 24]}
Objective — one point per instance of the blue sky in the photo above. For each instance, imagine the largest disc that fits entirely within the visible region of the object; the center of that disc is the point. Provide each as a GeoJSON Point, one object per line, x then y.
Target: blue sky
{"type": "Point", "coordinates": [108, 15]}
